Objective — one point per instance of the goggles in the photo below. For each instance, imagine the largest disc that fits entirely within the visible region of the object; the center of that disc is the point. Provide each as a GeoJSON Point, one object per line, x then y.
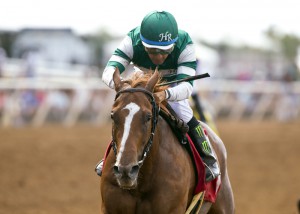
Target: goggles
{"type": "Point", "coordinates": [156, 51]}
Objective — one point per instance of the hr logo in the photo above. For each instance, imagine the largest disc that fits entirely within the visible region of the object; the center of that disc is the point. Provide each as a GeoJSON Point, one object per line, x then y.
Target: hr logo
{"type": "Point", "coordinates": [165, 36]}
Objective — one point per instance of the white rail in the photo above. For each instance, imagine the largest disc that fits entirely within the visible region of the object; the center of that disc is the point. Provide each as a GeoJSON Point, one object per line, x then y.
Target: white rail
{"type": "Point", "coordinates": [36, 101]}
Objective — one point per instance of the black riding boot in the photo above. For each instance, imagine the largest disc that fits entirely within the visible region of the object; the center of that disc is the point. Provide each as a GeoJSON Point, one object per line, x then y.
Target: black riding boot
{"type": "Point", "coordinates": [205, 150]}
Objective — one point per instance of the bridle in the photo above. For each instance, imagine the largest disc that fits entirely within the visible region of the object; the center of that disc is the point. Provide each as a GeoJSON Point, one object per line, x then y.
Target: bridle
{"type": "Point", "coordinates": [155, 112]}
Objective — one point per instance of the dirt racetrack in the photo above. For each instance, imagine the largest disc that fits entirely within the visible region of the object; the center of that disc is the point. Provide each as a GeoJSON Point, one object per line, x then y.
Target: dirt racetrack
{"type": "Point", "coordinates": [50, 170]}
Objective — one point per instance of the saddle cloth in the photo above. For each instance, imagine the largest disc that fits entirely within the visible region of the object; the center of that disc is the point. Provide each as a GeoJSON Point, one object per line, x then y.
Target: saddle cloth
{"type": "Point", "coordinates": [211, 188]}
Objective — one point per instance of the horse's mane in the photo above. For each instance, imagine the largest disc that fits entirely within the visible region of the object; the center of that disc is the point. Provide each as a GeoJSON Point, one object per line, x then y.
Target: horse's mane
{"type": "Point", "coordinates": [140, 79]}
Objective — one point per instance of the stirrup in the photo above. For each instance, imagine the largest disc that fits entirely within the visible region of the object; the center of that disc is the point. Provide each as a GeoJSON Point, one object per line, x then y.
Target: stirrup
{"type": "Point", "coordinates": [99, 167]}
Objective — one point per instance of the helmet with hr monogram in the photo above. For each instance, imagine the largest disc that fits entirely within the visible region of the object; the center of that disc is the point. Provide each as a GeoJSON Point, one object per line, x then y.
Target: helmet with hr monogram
{"type": "Point", "coordinates": [159, 30]}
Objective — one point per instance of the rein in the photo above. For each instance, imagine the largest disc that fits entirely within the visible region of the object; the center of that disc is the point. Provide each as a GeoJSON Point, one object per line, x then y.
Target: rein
{"type": "Point", "coordinates": [155, 111]}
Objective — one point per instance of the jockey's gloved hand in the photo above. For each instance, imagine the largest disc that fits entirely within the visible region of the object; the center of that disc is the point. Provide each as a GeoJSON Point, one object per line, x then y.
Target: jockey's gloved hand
{"type": "Point", "coordinates": [160, 96]}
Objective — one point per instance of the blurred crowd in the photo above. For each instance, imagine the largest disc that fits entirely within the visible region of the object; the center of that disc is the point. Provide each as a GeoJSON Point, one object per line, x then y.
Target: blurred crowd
{"type": "Point", "coordinates": [37, 105]}
{"type": "Point", "coordinates": [63, 106]}
{"type": "Point", "coordinates": [68, 106]}
{"type": "Point", "coordinates": [252, 86]}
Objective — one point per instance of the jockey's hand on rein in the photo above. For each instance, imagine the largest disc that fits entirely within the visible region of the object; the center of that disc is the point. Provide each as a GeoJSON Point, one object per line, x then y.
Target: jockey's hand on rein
{"type": "Point", "coordinates": [161, 96]}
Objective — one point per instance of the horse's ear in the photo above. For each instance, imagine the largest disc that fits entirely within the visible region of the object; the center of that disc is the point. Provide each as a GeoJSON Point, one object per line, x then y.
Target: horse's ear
{"type": "Point", "coordinates": [152, 81]}
{"type": "Point", "coordinates": [117, 80]}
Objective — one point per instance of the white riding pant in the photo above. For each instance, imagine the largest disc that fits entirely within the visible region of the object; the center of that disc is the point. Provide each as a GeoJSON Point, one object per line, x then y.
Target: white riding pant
{"type": "Point", "coordinates": [182, 109]}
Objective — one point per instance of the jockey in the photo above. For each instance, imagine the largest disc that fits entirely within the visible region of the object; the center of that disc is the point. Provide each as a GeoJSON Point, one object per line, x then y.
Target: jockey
{"type": "Point", "coordinates": [159, 42]}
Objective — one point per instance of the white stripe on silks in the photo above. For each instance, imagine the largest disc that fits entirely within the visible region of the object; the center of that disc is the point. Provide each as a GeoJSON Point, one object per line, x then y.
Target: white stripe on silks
{"type": "Point", "coordinates": [188, 54]}
{"type": "Point", "coordinates": [115, 58]}
{"type": "Point", "coordinates": [133, 109]}
{"type": "Point", "coordinates": [126, 47]}
{"type": "Point", "coordinates": [186, 70]}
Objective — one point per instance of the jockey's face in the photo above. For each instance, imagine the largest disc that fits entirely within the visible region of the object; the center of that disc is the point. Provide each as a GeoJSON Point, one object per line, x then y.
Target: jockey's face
{"type": "Point", "coordinates": [158, 56]}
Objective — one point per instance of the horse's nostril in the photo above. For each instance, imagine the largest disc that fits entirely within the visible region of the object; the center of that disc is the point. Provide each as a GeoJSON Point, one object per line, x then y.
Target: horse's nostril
{"type": "Point", "coordinates": [134, 170]}
{"type": "Point", "coordinates": [116, 169]}
{"type": "Point", "coordinates": [126, 170]}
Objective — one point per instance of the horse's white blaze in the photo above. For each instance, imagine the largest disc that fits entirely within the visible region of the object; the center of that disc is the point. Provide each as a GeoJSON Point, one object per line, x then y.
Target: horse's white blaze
{"type": "Point", "coordinates": [133, 109]}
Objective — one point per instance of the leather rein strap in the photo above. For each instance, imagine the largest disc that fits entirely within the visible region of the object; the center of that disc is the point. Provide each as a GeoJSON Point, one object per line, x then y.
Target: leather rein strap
{"type": "Point", "coordinates": [155, 112]}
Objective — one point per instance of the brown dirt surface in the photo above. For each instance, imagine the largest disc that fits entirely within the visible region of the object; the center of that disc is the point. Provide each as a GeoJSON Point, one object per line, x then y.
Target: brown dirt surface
{"type": "Point", "coordinates": [51, 169]}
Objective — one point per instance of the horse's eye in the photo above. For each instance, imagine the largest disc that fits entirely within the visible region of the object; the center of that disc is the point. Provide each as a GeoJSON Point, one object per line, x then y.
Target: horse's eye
{"type": "Point", "coordinates": [148, 117]}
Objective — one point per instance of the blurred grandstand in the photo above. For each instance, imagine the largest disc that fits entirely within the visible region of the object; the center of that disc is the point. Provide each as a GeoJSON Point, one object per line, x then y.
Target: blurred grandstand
{"type": "Point", "coordinates": [37, 89]}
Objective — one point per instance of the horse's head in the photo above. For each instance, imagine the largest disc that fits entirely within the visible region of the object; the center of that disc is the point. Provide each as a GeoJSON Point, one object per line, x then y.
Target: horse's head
{"type": "Point", "coordinates": [134, 116]}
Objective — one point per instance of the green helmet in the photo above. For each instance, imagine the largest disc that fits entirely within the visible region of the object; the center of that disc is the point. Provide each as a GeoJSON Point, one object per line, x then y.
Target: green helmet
{"type": "Point", "coordinates": [159, 30]}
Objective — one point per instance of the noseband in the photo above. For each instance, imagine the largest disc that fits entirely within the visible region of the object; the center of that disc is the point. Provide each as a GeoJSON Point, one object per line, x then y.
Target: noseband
{"type": "Point", "coordinates": [155, 111]}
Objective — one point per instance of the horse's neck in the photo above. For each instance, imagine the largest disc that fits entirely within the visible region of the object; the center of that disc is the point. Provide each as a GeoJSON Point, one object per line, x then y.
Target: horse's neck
{"type": "Point", "coordinates": [153, 159]}
{"type": "Point", "coordinates": [159, 145]}
{"type": "Point", "coordinates": [166, 154]}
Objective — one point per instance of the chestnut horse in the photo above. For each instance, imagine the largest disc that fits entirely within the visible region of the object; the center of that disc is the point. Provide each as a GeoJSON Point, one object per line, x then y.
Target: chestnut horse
{"type": "Point", "coordinates": [148, 171]}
